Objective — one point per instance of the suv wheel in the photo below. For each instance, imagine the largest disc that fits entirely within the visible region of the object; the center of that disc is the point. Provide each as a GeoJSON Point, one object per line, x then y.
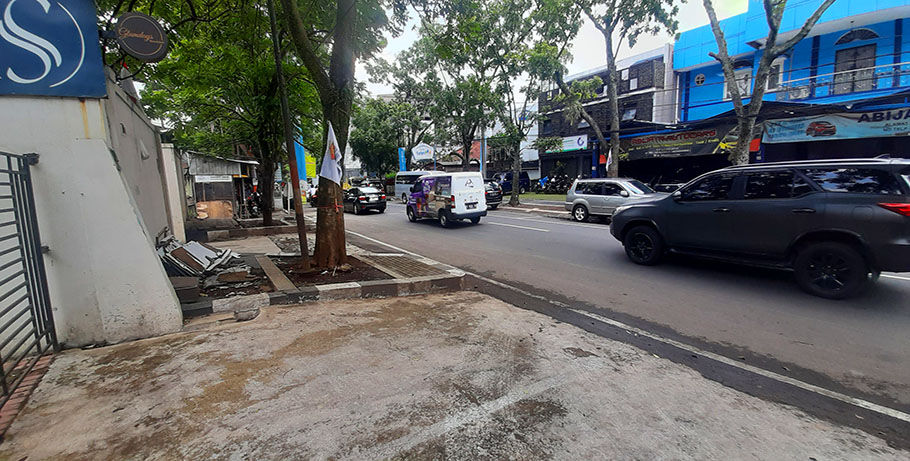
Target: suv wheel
{"type": "Point", "coordinates": [643, 245]}
{"type": "Point", "coordinates": [411, 215]}
{"type": "Point", "coordinates": [522, 190]}
{"type": "Point", "coordinates": [404, 198]}
{"type": "Point", "coordinates": [580, 213]}
{"type": "Point", "coordinates": [831, 270]}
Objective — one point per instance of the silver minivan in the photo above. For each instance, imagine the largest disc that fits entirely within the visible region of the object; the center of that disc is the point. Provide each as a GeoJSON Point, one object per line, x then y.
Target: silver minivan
{"type": "Point", "coordinates": [600, 197]}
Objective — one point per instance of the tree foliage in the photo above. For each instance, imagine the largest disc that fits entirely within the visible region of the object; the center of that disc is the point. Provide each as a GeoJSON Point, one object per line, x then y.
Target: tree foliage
{"type": "Point", "coordinates": [217, 89]}
{"type": "Point", "coordinates": [377, 126]}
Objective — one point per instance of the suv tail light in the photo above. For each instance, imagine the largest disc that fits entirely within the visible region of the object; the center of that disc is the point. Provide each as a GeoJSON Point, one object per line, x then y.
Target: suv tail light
{"type": "Point", "coordinates": [452, 203]}
{"type": "Point", "coordinates": [902, 209]}
{"type": "Point", "coordinates": [382, 197]}
{"type": "Point", "coordinates": [362, 198]}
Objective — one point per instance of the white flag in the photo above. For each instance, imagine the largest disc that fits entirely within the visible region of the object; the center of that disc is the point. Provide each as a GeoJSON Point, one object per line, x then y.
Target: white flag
{"type": "Point", "coordinates": [331, 170]}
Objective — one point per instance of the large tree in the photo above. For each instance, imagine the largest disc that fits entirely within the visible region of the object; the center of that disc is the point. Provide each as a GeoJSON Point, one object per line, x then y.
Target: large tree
{"type": "Point", "coordinates": [218, 89]}
{"type": "Point", "coordinates": [377, 125]}
{"type": "Point", "coordinates": [747, 113]}
{"type": "Point", "coordinates": [329, 37]}
{"type": "Point", "coordinates": [532, 39]}
{"type": "Point", "coordinates": [621, 22]}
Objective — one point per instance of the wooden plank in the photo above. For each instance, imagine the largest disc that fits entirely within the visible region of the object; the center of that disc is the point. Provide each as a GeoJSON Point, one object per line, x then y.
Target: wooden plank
{"type": "Point", "coordinates": [278, 279]}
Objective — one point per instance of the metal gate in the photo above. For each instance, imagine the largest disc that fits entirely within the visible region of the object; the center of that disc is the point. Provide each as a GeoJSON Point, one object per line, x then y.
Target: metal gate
{"type": "Point", "coordinates": [26, 322]}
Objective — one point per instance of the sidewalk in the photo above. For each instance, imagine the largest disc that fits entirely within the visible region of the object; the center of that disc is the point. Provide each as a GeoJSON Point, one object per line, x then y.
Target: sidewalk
{"type": "Point", "coordinates": [456, 376]}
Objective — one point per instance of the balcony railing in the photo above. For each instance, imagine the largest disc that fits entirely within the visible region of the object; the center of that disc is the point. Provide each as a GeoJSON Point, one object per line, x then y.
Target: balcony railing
{"type": "Point", "coordinates": [844, 82]}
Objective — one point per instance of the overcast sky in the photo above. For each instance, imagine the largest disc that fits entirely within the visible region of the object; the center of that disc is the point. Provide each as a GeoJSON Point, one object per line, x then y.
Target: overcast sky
{"type": "Point", "coordinates": [588, 50]}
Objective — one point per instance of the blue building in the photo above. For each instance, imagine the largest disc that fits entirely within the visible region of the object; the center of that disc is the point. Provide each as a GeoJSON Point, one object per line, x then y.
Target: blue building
{"type": "Point", "coordinates": [855, 61]}
{"type": "Point", "coordinates": [856, 51]}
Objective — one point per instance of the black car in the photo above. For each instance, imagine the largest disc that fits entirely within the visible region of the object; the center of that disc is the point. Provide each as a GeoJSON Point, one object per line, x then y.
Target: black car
{"type": "Point", "coordinates": [359, 199]}
{"type": "Point", "coordinates": [837, 224]}
{"type": "Point", "coordinates": [494, 193]}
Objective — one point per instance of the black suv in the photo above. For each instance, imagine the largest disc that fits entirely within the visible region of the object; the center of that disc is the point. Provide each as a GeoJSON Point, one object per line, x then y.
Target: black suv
{"type": "Point", "coordinates": [836, 223]}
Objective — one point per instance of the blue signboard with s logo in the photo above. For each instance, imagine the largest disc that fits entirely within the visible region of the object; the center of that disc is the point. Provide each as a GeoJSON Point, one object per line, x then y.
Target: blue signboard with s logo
{"type": "Point", "coordinates": [50, 48]}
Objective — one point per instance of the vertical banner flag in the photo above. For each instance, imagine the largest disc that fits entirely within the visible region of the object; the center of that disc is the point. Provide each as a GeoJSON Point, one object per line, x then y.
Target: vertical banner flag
{"type": "Point", "coordinates": [331, 169]}
{"type": "Point", "coordinates": [301, 155]}
{"type": "Point", "coordinates": [402, 160]}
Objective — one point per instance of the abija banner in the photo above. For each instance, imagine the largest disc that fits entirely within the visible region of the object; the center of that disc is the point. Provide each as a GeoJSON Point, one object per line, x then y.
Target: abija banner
{"type": "Point", "coordinates": [872, 124]}
{"type": "Point", "coordinates": [708, 141]}
{"type": "Point", "coordinates": [50, 48]}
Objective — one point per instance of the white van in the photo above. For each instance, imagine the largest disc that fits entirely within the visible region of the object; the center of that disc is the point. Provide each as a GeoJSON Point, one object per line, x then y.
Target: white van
{"type": "Point", "coordinates": [448, 197]}
{"type": "Point", "coordinates": [403, 182]}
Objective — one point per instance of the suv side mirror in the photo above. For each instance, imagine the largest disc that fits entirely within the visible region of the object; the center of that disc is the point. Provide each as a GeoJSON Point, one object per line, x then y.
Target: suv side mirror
{"type": "Point", "coordinates": [415, 188]}
{"type": "Point", "coordinates": [624, 193]}
{"type": "Point", "coordinates": [676, 195]}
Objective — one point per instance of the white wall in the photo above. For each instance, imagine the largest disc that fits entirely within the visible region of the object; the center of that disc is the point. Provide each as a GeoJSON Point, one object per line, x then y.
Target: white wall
{"type": "Point", "coordinates": [175, 191]}
{"type": "Point", "coordinates": [105, 279]}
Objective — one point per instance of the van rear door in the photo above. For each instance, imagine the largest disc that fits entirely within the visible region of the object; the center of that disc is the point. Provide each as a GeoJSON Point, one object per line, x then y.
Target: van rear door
{"type": "Point", "coordinates": [469, 193]}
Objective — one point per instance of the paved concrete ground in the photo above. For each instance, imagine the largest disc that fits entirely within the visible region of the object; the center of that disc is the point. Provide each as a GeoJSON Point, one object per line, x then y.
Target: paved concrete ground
{"type": "Point", "coordinates": [249, 245]}
{"type": "Point", "coordinates": [459, 376]}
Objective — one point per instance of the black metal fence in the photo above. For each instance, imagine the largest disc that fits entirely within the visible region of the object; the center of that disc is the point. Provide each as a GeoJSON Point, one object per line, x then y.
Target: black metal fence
{"type": "Point", "coordinates": [26, 321]}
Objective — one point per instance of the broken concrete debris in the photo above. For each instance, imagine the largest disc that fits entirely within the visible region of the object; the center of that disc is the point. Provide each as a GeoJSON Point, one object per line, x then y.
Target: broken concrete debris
{"type": "Point", "coordinates": [192, 258]}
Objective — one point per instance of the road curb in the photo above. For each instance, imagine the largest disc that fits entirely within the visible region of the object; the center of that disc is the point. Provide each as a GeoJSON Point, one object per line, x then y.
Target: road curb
{"type": "Point", "coordinates": [451, 281]}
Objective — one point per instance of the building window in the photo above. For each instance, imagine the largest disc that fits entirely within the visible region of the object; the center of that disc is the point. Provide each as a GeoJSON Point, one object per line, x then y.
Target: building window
{"type": "Point", "coordinates": [776, 75]}
{"type": "Point", "coordinates": [855, 35]}
{"type": "Point", "coordinates": [854, 69]}
{"type": "Point", "coordinates": [743, 79]}
{"type": "Point", "coordinates": [629, 114]}
{"type": "Point", "coordinates": [699, 79]}
{"type": "Point", "coordinates": [624, 74]}
{"type": "Point", "coordinates": [633, 84]}
{"type": "Point", "coordinates": [583, 124]}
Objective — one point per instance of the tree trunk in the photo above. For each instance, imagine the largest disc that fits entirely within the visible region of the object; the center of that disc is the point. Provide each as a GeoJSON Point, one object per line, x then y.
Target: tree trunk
{"type": "Point", "coordinates": [613, 105]}
{"type": "Point", "coordinates": [330, 238]}
{"type": "Point", "coordinates": [516, 176]}
{"type": "Point", "coordinates": [740, 154]}
{"type": "Point", "coordinates": [466, 150]}
{"type": "Point", "coordinates": [267, 189]}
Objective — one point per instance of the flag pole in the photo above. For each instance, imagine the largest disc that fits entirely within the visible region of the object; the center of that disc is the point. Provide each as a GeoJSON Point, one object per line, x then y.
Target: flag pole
{"type": "Point", "coordinates": [289, 143]}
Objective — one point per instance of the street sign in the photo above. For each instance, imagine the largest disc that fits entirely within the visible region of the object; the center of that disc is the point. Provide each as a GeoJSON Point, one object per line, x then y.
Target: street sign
{"type": "Point", "coordinates": [50, 49]}
{"type": "Point", "coordinates": [422, 152]}
{"type": "Point", "coordinates": [140, 36]}
{"type": "Point", "coordinates": [402, 159]}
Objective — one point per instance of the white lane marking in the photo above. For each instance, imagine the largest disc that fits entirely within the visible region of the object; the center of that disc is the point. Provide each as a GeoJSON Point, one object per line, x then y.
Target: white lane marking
{"type": "Point", "coordinates": [554, 221]}
{"type": "Point", "coordinates": [896, 277]}
{"type": "Point", "coordinates": [897, 414]}
{"type": "Point", "coordinates": [518, 227]}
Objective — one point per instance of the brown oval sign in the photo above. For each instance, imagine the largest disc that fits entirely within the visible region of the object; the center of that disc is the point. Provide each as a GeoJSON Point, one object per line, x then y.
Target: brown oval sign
{"type": "Point", "coordinates": [141, 37]}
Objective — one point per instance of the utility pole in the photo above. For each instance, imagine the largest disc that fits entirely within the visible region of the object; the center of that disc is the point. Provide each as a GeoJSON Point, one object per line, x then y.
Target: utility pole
{"type": "Point", "coordinates": [289, 143]}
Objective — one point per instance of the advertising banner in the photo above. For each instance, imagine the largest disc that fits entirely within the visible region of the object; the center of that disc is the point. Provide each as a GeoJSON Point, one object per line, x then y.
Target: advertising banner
{"type": "Point", "coordinates": [708, 141]}
{"type": "Point", "coordinates": [402, 160]}
{"type": "Point", "coordinates": [570, 143]}
{"type": "Point", "coordinates": [873, 124]}
{"type": "Point", "coordinates": [50, 49]}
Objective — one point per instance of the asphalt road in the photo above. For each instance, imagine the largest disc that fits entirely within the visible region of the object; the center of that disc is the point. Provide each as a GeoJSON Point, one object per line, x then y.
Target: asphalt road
{"type": "Point", "coordinates": [860, 347]}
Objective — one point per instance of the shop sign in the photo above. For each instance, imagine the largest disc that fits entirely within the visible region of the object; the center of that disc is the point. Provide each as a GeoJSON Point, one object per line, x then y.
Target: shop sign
{"type": "Point", "coordinates": [207, 178]}
{"type": "Point", "coordinates": [872, 124]}
{"type": "Point", "coordinates": [422, 151]}
{"type": "Point", "coordinates": [719, 140]}
{"type": "Point", "coordinates": [570, 143]}
{"type": "Point", "coordinates": [142, 37]}
{"type": "Point", "coordinates": [50, 49]}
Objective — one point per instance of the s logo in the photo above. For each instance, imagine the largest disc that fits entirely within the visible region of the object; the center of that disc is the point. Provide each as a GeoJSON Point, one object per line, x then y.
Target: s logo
{"type": "Point", "coordinates": [41, 48]}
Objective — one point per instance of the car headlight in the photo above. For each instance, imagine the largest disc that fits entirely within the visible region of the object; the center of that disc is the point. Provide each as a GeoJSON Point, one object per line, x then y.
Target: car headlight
{"type": "Point", "coordinates": [620, 209]}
